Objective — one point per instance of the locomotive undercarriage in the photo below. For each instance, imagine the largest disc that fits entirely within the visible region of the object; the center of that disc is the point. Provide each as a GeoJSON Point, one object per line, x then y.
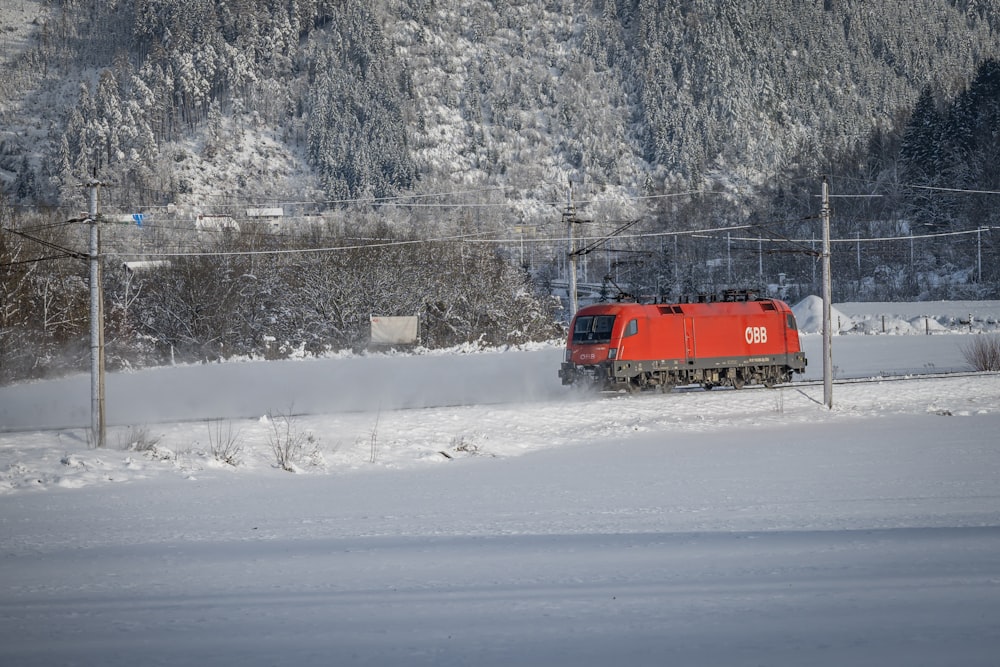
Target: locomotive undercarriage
{"type": "Point", "coordinates": [737, 378]}
{"type": "Point", "coordinates": [635, 377]}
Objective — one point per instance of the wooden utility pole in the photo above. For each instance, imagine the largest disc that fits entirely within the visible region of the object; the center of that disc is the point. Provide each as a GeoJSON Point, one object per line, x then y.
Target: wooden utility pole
{"type": "Point", "coordinates": [98, 429]}
{"type": "Point", "coordinates": [827, 297]}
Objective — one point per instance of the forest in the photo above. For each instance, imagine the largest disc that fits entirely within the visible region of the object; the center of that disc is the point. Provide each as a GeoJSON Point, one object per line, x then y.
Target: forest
{"type": "Point", "coordinates": [432, 158]}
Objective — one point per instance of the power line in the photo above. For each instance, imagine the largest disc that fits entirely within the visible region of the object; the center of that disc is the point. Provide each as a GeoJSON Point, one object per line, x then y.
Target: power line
{"type": "Point", "coordinates": [873, 239]}
{"type": "Point", "coordinates": [67, 252]}
{"type": "Point", "coordinates": [915, 187]}
{"type": "Point", "coordinates": [471, 238]}
{"type": "Point", "coordinates": [595, 240]}
{"type": "Point", "coordinates": [293, 251]}
{"type": "Point", "coordinates": [4, 265]}
{"type": "Point", "coordinates": [958, 190]}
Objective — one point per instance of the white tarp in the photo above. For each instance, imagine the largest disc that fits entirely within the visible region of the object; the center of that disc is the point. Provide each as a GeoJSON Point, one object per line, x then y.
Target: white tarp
{"type": "Point", "coordinates": [394, 330]}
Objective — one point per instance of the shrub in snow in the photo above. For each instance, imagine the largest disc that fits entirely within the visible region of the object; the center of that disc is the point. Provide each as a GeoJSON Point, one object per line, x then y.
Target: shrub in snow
{"type": "Point", "coordinates": [138, 439]}
{"type": "Point", "coordinates": [465, 445]}
{"type": "Point", "coordinates": [226, 446]}
{"type": "Point", "coordinates": [983, 353]}
{"type": "Point", "coordinates": [287, 442]}
{"type": "Point", "coordinates": [373, 441]}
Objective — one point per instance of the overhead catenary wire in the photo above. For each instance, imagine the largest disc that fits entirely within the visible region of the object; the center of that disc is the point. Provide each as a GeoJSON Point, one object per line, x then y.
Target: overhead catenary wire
{"type": "Point", "coordinates": [595, 240]}
{"type": "Point", "coordinates": [460, 238]}
{"type": "Point", "coordinates": [289, 251]}
{"type": "Point", "coordinates": [708, 233]}
{"type": "Point", "coordinates": [870, 239]}
{"type": "Point", "coordinates": [405, 200]}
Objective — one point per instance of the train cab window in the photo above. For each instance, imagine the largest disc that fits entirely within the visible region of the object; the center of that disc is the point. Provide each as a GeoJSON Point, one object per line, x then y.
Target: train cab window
{"type": "Point", "coordinates": [791, 322]}
{"type": "Point", "coordinates": [631, 329]}
{"type": "Point", "coordinates": [593, 329]}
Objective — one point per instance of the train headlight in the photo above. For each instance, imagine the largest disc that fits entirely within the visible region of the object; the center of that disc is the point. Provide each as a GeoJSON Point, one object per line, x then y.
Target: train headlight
{"type": "Point", "coordinates": [612, 353]}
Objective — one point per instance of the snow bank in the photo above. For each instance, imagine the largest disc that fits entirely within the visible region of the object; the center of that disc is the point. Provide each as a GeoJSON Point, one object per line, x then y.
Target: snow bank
{"type": "Point", "coordinates": [809, 316]}
{"type": "Point", "coordinates": [908, 318]}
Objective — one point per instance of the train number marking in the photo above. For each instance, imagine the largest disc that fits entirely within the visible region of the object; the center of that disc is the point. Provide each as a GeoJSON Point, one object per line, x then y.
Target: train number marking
{"type": "Point", "coordinates": [755, 335]}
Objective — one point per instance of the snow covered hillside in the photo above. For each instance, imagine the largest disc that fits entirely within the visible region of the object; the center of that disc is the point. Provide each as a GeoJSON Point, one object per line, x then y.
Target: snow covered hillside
{"type": "Point", "coordinates": [18, 21]}
{"type": "Point", "coordinates": [460, 509]}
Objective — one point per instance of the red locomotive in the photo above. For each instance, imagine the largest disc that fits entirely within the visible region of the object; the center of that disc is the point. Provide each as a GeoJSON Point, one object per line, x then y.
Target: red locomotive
{"type": "Point", "coordinates": [733, 341]}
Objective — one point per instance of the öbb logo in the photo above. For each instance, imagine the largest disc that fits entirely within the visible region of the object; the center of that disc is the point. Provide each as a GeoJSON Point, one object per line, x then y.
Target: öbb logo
{"type": "Point", "coordinates": [756, 335]}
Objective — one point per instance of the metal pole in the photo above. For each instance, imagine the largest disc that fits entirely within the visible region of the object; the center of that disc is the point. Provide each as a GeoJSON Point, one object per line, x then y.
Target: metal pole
{"type": "Point", "coordinates": [979, 255]}
{"type": "Point", "coordinates": [98, 430]}
{"type": "Point", "coordinates": [729, 260]}
{"type": "Point", "coordinates": [760, 262]}
{"type": "Point", "coordinates": [812, 247]}
{"type": "Point", "coordinates": [570, 220]}
{"type": "Point", "coordinates": [677, 273]}
{"type": "Point", "coordinates": [827, 297]}
{"type": "Point", "coordinates": [860, 276]}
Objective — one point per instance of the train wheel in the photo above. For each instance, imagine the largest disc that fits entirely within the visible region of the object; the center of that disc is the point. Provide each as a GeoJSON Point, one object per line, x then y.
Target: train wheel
{"type": "Point", "coordinates": [707, 386]}
{"type": "Point", "coordinates": [738, 381]}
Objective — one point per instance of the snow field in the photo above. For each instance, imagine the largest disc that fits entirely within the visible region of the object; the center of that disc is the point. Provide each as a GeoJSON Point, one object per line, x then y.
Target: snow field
{"type": "Point", "coordinates": [861, 540]}
{"type": "Point", "coordinates": [466, 509]}
{"type": "Point", "coordinates": [441, 435]}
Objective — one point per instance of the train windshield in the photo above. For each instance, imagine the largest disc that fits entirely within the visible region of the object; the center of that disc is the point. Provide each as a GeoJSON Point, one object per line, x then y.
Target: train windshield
{"type": "Point", "coordinates": [593, 329]}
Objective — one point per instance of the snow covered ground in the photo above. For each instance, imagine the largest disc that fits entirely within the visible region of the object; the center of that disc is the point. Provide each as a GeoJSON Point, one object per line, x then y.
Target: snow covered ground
{"type": "Point", "coordinates": [465, 509]}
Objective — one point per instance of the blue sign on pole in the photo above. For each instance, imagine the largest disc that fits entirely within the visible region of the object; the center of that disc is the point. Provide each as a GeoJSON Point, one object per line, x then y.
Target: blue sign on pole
{"type": "Point", "coordinates": [138, 219]}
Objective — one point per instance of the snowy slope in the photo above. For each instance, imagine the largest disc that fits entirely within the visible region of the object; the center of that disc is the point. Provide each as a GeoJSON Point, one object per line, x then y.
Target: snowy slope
{"type": "Point", "coordinates": [19, 20]}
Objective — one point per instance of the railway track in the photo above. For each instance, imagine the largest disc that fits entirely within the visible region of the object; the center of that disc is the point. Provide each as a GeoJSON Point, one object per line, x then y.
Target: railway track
{"type": "Point", "coordinates": [898, 376]}
{"type": "Point", "coordinates": [895, 376]}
